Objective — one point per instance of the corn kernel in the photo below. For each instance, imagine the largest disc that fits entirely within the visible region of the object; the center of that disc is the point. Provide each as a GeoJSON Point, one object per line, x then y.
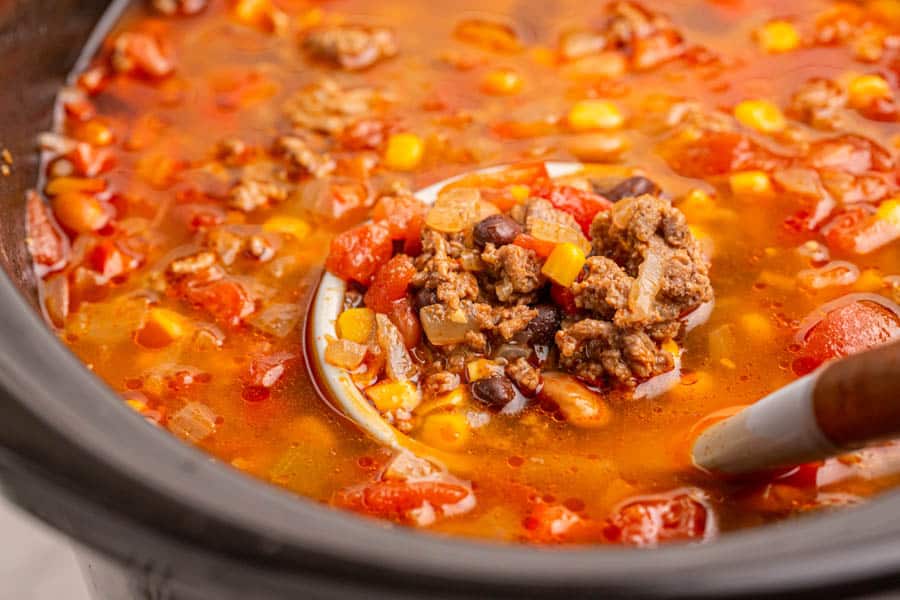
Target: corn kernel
{"type": "Point", "coordinates": [68, 185]}
{"type": "Point", "coordinates": [456, 397]}
{"type": "Point", "coordinates": [482, 368]}
{"type": "Point", "coordinates": [394, 395]}
{"type": "Point", "coordinates": [697, 204]}
{"type": "Point", "coordinates": [760, 115]}
{"type": "Point", "coordinates": [870, 280]}
{"type": "Point", "coordinates": [865, 89]}
{"type": "Point", "coordinates": [728, 364]}
{"type": "Point", "coordinates": [137, 405]}
{"type": "Point", "coordinates": [502, 82]}
{"type": "Point", "coordinates": [543, 55]}
{"type": "Point", "coordinates": [252, 12]}
{"type": "Point", "coordinates": [161, 328]}
{"type": "Point", "coordinates": [520, 192]}
{"type": "Point", "coordinates": [564, 264]}
{"type": "Point", "coordinates": [778, 36]}
{"type": "Point", "coordinates": [95, 133]}
{"type": "Point", "coordinates": [293, 226]}
{"type": "Point", "coordinates": [589, 115]}
{"type": "Point", "coordinates": [404, 151]}
{"type": "Point", "coordinates": [889, 211]}
{"type": "Point", "coordinates": [757, 326]}
{"type": "Point", "coordinates": [750, 183]}
{"type": "Point", "coordinates": [672, 348]}
{"type": "Point", "coordinates": [356, 325]}
{"type": "Point", "coordinates": [449, 431]}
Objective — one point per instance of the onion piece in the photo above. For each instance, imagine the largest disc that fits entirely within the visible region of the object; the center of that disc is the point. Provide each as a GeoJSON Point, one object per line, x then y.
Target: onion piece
{"type": "Point", "coordinates": [277, 319]}
{"type": "Point", "coordinates": [344, 354]}
{"type": "Point", "coordinates": [646, 286]}
{"type": "Point", "coordinates": [557, 233]}
{"type": "Point", "coordinates": [398, 364]}
{"type": "Point", "coordinates": [835, 274]}
{"type": "Point", "coordinates": [444, 328]}
{"type": "Point", "coordinates": [194, 422]}
{"type": "Point", "coordinates": [458, 209]}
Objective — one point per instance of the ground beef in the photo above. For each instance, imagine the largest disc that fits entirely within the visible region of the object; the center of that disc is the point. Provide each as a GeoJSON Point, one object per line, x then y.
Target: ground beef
{"type": "Point", "coordinates": [526, 376]}
{"type": "Point", "coordinates": [820, 103]}
{"type": "Point", "coordinates": [329, 108]}
{"type": "Point", "coordinates": [351, 47]}
{"type": "Point", "coordinates": [439, 383]}
{"type": "Point", "coordinates": [438, 269]}
{"type": "Point", "coordinates": [303, 158]}
{"type": "Point", "coordinates": [513, 273]}
{"type": "Point", "coordinates": [503, 321]}
{"type": "Point", "coordinates": [260, 186]}
{"type": "Point", "coordinates": [604, 288]}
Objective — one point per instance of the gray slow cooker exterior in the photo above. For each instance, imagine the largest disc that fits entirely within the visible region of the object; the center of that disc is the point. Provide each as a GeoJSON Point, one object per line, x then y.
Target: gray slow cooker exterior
{"type": "Point", "coordinates": [153, 518]}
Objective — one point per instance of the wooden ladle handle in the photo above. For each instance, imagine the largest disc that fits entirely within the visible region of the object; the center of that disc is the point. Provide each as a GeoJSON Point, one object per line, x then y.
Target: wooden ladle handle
{"type": "Point", "coordinates": [856, 401]}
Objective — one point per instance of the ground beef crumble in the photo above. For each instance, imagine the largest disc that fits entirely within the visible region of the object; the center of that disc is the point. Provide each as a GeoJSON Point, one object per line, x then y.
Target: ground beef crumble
{"type": "Point", "coordinates": [351, 47]}
{"type": "Point", "coordinates": [644, 273]}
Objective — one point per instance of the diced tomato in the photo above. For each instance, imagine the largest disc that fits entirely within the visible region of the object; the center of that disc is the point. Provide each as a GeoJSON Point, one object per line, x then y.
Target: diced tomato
{"type": "Point", "coordinates": [851, 328]}
{"type": "Point", "coordinates": [90, 161]}
{"type": "Point", "coordinates": [144, 54]}
{"type": "Point", "coordinates": [655, 520]}
{"type": "Point", "coordinates": [502, 198]}
{"type": "Point", "coordinates": [582, 205]}
{"type": "Point", "coordinates": [851, 154]}
{"type": "Point", "coordinates": [403, 215]}
{"type": "Point", "coordinates": [395, 499]}
{"type": "Point", "coordinates": [523, 130]}
{"type": "Point", "coordinates": [48, 245]}
{"type": "Point", "coordinates": [358, 253]}
{"type": "Point", "coordinates": [390, 283]}
{"type": "Point", "coordinates": [547, 523]}
{"type": "Point", "coordinates": [403, 315]}
{"type": "Point", "coordinates": [107, 259]}
{"type": "Point", "coordinates": [563, 298]}
{"type": "Point", "coordinates": [225, 300]}
{"type": "Point", "coordinates": [347, 197]}
{"type": "Point", "coordinates": [80, 109]}
{"type": "Point", "coordinates": [858, 230]}
{"type": "Point", "coordinates": [365, 134]}
{"type": "Point", "coordinates": [540, 247]}
{"type": "Point", "coordinates": [94, 80]}
{"type": "Point", "coordinates": [720, 153]}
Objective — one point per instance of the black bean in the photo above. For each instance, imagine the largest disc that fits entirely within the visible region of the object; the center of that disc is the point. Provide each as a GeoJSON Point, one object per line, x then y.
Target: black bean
{"type": "Point", "coordinates": [425, 297]}
{"type": "Point", "coordinates": [542, 328]}
{"type": "Point", "coordinates": [497, 230]}
{"type": "Point", "coordinates": [630, 188]}
{"type": "Point", "coordinates": [496, 392]}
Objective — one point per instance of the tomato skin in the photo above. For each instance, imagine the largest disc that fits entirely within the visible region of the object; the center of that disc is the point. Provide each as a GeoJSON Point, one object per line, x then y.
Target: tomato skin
{"type": "Point", "coordinates": [846, 330]}
{"type": "Point", "coordinates": [520, 174]}
{"type": "Point", "coordinates": [654, 520]}
{"type": "Point", "coordinates": [48, 245]}
{"type": "Point", "coordinates": [564, 298]}
{"type": "Point", "coordinates": [582, 205]}
{"type": "Point", "coordinates": [394, 499]}
{"type": "Point", "coordinates": [858, 230]}
{"type": "Point", "coordinates": [390, 283]}
{"type": "Point", "coordinates": [540, 247]}
{"type": "Point", "coordinates": [404, 216]}
{"type": "Point", "coordinates": [548, 523]}
{"type": "Point", "coordinates": [720, 153]}
{"type": "Point", "coordinates": [225, 300]}
{"type": "Point", "coordinates": [357, 253]}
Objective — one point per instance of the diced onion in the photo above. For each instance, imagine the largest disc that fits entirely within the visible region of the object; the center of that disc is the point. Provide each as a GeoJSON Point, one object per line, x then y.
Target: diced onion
{"type": "Point", "coordinates": [647, 284]}
{"type": "Point", "coordinates": [458, 209]}
{"type": "Point", "coordinates": [556, 233]}
{"type": "Point", "coordinates": [277, 319]}
{"type": "Point", "coordinates": [344, 354]}
{"type": "Point", "coordinates": [194, 422]}
{"type": "Point", "coordinates": [835, 274]}
{"type": "Point", "coordinates": [442, 329]}
{"type": "Point", "coordinates": [398, 364]}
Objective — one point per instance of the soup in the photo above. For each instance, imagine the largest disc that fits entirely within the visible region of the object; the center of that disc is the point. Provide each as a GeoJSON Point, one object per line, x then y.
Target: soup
{"type": "Point", "coordinates": [216, 156]}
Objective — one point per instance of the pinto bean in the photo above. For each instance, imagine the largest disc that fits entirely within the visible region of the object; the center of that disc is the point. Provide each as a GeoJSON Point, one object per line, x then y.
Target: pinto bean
{"type": "Point", "coordinates": [630, 188]}
{"type": "Point", "coordinates": [496, 392]}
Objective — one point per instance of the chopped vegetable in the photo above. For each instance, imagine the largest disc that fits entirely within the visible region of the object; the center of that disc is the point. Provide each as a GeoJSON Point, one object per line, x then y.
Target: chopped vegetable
{"type": "Point", "coordinates": [564, 264]}
{"type": "Point", "coordinates": [458, 209]}
{"type": "Point", "coordinates": [650, 521]}
{"type": "Point", "coordinates": [398, 364]}
{"type": "Point", "coordinates": [390, 283]}
{"type": "Point", "coordinates": [760, 115]}
{"type": "Point", "coordinates": [344, 354]}
{"type": "Point", "coordinates": [161, 328]}
{"type": "Point", "coordinates": [404, 151]}
{"type": "Point", "coordinates": [579, 405]}
{"type": "Point", "coordinates": [778, 36]}
{"type": "Point", "coordinates": [358, 253]}
{"type": "Point", "coordinates": [447, 431]}
{"type": "Point", "coordinates": [865, 89]}
{"type": "Point", "coordinates": [194, 422]}
{"type": "Point", "coordinates": [298, 228]}
{"type": "Point", "coordinates": [750, 183]}
{"type": "Point", "coordinates": [356, 325]}
{"type": "Point", "coordinates": [581, 204]}
{"type": "Point", "coordinates": [589, 115]}
{"type": "Point", "coordinates": [80, 213]}
{"type": "Point", "coordinates": [502, 82]}
{"type": "Point", "coordinates": [394, 395]}
{"type": "Point", "coordinates": [482, 368]}
{"type": "Point", "coordinates": [444, 328]}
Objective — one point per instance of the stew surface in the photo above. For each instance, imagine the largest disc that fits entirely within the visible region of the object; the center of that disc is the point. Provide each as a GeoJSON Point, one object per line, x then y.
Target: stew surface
{"type": "Point", "coordinates": [216, 153]}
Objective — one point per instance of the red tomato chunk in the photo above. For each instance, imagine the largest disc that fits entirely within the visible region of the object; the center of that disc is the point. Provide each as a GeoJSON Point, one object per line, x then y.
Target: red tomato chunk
{"type": "Point", "coordinates": [651, 521]}
{"type": "Point", "coordinates": [358, 253]}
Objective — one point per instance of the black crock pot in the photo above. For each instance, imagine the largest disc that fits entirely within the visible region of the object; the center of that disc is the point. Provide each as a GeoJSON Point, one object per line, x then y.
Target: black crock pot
{"type": "Point", "coordinates": [153, 518]}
